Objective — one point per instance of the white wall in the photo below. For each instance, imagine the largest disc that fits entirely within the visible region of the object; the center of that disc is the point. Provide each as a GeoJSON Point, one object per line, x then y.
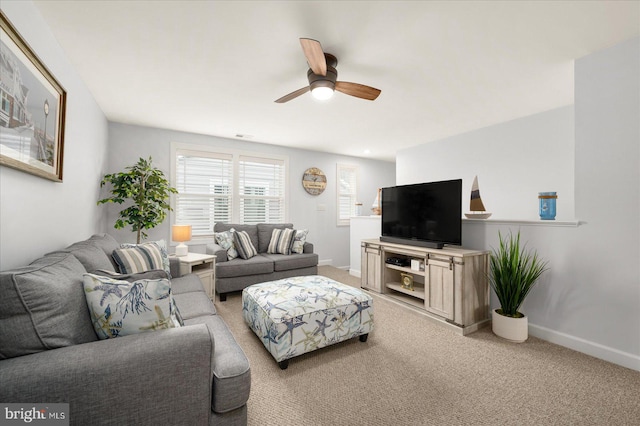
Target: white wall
{"type": "Point", "coordinates": [513, 161]}
{"type": "Point", "coordinates": [38, 215]}
{"type": "Point", "coordinates": [607, 247]}
{"type": "Point", "coordinates": [127, 143]}
{"type": "Point", "coordinates": [590, 298]}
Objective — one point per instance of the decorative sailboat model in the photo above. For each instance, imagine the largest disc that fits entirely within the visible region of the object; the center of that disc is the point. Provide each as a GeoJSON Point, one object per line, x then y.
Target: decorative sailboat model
{"type": "Point", "coordinates": [475, 205]}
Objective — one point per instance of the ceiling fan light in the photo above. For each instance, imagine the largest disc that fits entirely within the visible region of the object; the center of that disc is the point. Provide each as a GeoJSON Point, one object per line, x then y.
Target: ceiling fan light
{"type": "Point", "coordinates": [322, 93]}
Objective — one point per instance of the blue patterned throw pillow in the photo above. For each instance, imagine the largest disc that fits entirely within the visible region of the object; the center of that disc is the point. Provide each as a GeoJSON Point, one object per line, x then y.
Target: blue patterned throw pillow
{"type": "Point", "coordinates": [281, 241]}
{"type": "Point", "coordinates": [119, 308]}
{"type": "Point", "coordinates": [225, 240]}
{"type": "Point", "coordinates": [299, 240]}
{"type": "Point", "coordinates": [245, 247]}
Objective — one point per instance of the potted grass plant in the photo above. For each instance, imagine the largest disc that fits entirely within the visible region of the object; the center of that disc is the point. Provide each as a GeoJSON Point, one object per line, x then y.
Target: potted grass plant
{"type": "Point", "coordinates": [514, 271]}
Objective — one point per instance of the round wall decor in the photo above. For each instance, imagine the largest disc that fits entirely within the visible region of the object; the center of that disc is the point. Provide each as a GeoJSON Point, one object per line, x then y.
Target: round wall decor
{"type": "Point", "coordinates": [314, 181]}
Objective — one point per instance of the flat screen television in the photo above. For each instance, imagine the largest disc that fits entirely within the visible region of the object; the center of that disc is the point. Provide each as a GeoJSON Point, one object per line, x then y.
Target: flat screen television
{"type": "Point", "coordinates": [424, 214]}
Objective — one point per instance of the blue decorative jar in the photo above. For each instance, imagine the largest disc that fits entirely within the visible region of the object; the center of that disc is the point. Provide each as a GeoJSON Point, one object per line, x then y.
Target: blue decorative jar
{"type": "Point", "coordinates": [547, 205]}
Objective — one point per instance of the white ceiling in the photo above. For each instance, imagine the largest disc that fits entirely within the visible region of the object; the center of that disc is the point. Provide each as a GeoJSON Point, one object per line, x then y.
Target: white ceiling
{"type": "Point", "coordinates": [444, 68]}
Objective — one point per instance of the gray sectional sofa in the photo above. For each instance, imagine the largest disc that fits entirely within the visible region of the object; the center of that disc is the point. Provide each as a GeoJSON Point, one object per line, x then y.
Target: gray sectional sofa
{"type": "Point", "coordinates": [49, 352]}
{"type": "Point", "coordinates": [237, 274]}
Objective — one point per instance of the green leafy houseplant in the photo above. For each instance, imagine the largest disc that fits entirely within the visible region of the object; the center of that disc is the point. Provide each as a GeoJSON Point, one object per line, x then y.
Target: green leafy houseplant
{"type": "Point", "coordinates": [514, 272]}
{"type": "Point", "coordinates": [148, 190]}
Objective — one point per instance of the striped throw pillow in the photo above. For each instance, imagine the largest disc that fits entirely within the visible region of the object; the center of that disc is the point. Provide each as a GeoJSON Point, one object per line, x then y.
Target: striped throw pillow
{"type": "Point", "coordinates": [139, 258]}
{"type": "Point", "coordinates": [281, 241]}
{"type": "Point", "coordinates": [243, 244]}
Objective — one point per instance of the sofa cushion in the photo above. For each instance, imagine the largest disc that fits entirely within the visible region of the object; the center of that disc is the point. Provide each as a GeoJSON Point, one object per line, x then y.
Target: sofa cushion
{"type": "Point", "coordinates": [252, 230]}
{"type": "Point", "coordinates": [231, 374]}
{"type": "Point", "coordinates": [299, 240]}
{"type": "Point", "coordinates": [265, 230]}
{"type": "Point", "coordinates": [244, 246]}
{"type": "Point", "coordinates": [281, 241]}
{"type": "Point", "coordinates": [240, 267]}
{"type": "Point", "coordinates": [120, 308]}
{"type": "Point", "coordinates": [42, 306]}
{"type": "Point", "coordinates": [225, 240]}
{"type": "Point", "coordinates": [186, 284]}
{"type": "Point", "coordinates": [91, 256]}
{"type": "Point", "coordinates": [133, 258]}
{"type": "Point", "coordinates": [283, 262]}
{"type": "Point", "coordinates": [108, 244]}
{"type": "Point", "coordinates": [154, 274]}
{"type": "Point", "coordinates": [194, 304]}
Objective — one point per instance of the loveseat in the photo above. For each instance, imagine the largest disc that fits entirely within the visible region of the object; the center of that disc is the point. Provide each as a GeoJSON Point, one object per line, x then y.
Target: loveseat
{"type": "Point", "coordinates": [238, 273]}
{"type": "Point", "coordinates": [194, 374]}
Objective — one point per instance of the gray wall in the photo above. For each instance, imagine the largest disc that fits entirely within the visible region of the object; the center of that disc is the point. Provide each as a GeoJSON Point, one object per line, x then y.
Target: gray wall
{"type": "Point", "coordinates": [317, 213]}
{"type": "Point", "coordinates": [590, 297]}
{"type": "Point", "coordinates": [38, 215]}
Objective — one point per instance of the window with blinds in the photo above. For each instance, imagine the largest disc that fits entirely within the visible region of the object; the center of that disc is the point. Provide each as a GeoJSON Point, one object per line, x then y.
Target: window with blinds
{"type": "Point", "coordinates": [347, 192]}
{"type": "Point", "coordinates": [205, 190]}
{"type": "Point", "coordinates": [261, 183]}
{"type": "Point", "coordinates": [229, 188]}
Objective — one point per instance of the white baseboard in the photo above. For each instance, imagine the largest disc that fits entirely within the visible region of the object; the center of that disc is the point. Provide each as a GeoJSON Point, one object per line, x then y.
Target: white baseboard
{"type": "Point", "coordinates": [325, 262]}
{"type": "Point", "coordinates": [355, 272]}
{"type": "Point", "coordinates": [597, 350]}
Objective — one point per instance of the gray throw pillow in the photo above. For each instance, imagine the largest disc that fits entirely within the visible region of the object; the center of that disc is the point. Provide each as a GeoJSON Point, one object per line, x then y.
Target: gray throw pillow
{"type": "Point", "coordinates": [42, 306]}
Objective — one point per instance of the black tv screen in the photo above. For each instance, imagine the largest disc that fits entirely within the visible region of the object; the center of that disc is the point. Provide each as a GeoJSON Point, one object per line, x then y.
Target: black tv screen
{"type": "Point", "coordinates": [424, 214]}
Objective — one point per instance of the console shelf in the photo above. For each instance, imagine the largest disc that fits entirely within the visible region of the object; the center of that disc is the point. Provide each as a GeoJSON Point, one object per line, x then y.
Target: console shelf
{"type": "Point", "coordinates": [450, 286]}
{"type": "Point", "coordinates": [418, 292]}
{"type": "Point", "coordinates": [404, 269]}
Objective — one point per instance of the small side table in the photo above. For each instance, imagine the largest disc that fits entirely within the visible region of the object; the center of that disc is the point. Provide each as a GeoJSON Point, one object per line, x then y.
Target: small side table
{"type": "Point", "coordinates": [204, 266]}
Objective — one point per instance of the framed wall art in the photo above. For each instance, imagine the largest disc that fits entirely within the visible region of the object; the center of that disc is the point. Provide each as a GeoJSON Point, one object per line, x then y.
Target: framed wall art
{"type": "Point", "coordinates": [32, 109]}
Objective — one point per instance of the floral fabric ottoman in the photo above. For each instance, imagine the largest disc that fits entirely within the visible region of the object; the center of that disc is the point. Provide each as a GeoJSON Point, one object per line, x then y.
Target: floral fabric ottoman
{"type": "Point", "coordinates": [297, 315]}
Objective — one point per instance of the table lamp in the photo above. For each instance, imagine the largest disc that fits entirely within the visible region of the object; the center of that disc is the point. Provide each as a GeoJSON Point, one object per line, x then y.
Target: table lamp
{"type": "Point", "coordinates": [181, 233]}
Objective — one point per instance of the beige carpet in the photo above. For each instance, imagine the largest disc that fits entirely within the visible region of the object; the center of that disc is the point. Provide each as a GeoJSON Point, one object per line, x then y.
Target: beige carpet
{"type": "Point", "coordinates": [414, 372]}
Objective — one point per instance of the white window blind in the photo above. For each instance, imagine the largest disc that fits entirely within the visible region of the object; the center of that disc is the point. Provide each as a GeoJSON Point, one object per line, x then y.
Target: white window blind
{"type": "Point", "coordinates": [347, 192]}
{"type": "Point", "coordinates": [261, 190]}
{"type": "Point", "coordinates": [205, 190]}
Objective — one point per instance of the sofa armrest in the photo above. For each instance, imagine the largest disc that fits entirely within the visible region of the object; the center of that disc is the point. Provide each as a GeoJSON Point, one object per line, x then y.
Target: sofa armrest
{"type": "Point", "coordinates": [159, 377]}
{"type": "Point", "coordinates": [174, 267]}
{"type": "Point", "coordinates": [221, 254]}
{"type": "Point", "coordinates": [307, 248]}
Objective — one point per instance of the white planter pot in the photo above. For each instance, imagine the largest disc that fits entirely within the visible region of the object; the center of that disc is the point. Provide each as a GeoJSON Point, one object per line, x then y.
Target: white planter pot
{"type": "Point", "coordinates": [512, 329]}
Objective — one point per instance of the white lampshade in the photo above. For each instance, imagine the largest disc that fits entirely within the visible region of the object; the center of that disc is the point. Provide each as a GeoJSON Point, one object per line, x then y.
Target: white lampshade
{"type": "Point", "coordinates": [181, 233]}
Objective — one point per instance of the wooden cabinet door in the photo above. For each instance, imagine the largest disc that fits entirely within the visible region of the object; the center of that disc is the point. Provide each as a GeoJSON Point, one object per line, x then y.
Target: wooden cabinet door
{"type": "Point", "coordinates": [439, 287]}
{"type": "Point", "coordinates": [370, 274]}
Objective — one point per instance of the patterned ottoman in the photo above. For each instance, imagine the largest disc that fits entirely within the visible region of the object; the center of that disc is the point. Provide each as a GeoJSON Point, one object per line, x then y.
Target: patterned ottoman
{"type": "Point", "coordinates": [297, 315]}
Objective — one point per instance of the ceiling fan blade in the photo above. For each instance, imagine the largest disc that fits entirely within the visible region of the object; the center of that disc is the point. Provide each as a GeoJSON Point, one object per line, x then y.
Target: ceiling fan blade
{"type": "Point", "coordinates": [315, 56]}
{"type": "Point", "coordinates": [358, 90]}
{"type": "Point", "coordinates": [292, 95]}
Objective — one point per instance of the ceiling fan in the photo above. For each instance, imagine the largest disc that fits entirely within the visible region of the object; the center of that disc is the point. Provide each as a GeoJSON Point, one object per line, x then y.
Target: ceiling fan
{"type": "Point", "coordinates": [322, 76]}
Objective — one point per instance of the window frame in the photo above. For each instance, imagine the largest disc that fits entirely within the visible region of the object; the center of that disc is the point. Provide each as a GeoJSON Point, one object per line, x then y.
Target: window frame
{"type": "Point", "coordinates": [346, 221]}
